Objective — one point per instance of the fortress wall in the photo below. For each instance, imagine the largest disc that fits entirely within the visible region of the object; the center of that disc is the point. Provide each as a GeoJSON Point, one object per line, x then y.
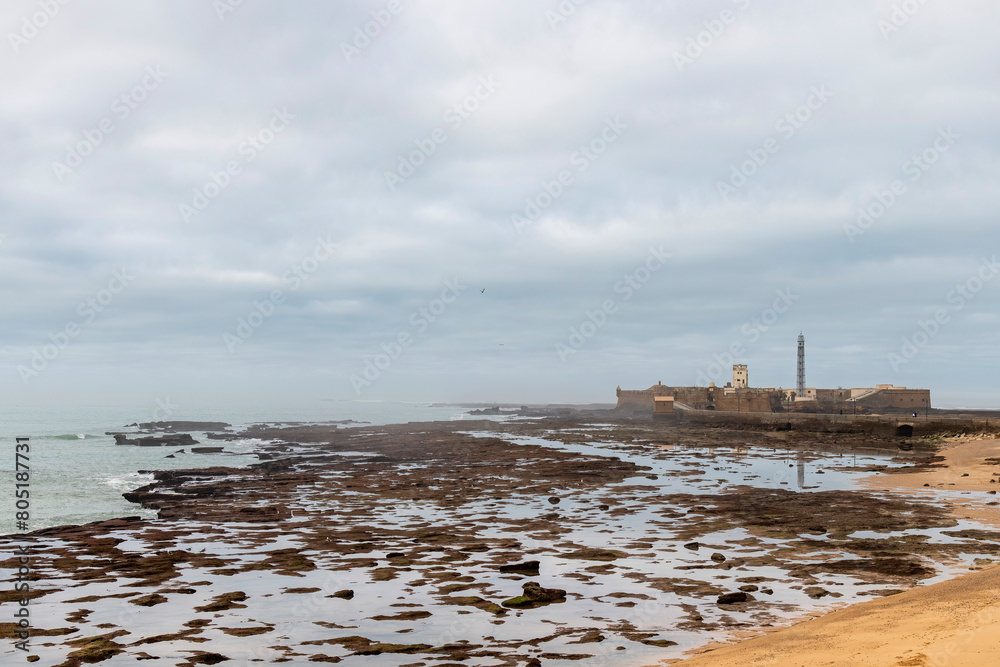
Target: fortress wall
{"type": "Point", "coordinates": [635, 400]}
{"type": "Point", "coordinates": [833, 394]}
{"type": "Point", "coordinates": [907, 399]}
{"type": "Point", "coordinates": [748, 402]}
{"type": "Point", "coordinates": [699, 398]}
{"type": "Point", "coordinates": [827, 423]}
{"type": "Point", "coordinates": [693, 396]}
{"type": "Point", "coordinates": [642, 399]}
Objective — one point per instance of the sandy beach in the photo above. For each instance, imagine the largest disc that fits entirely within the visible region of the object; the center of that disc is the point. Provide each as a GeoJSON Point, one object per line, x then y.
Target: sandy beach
{"type": "Point", "coordinates": [954, 623]}
{"type": "Point", "coordinates": [965, 465]}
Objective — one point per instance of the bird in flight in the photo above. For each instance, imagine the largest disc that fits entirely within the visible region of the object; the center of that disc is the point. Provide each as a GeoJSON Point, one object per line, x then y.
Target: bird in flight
{"type": "Point", "coordinates": [482, 291]}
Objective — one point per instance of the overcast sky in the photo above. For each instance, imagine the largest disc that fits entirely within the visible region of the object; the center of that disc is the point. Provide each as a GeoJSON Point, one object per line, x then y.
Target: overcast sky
{"type": "Point", "coordinates": [257, 199]}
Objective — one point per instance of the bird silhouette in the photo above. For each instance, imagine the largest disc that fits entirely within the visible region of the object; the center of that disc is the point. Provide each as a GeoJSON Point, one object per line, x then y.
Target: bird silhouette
{"type": "Point", "coordinates": [482, 291]}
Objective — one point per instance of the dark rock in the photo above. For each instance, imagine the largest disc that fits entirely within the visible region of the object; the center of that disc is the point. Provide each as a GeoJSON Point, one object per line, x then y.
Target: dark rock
{"type": "Point", "coordinates": [207, 450]}
{"type": "Point", "coordinates": [718, 558]}
{"type": "Point", "coordinates": [604, 508]}
{"type": "Point", "coordinates": [477, 602]}
{"type": "Point", "coordinates": [590, 637]}
{"type": "Point", "coordinates": [155, 441]}
{"type": "Point", "coordinates": [749, 588]}
{"type": "Point", "coordinates": [595, 554]}
{"type": "Point", "coordinates": [554, 500]}
{"type": "Point", "coordinates": [150, 600]}
{"type": "Point", "coordinates": [528, 567]}
{"type": "Point", "coordinates": [204, 658]}
{"type": "Point", "coordinates": [395, 554]}
{"type": "Point", "coordinates": [898, 567]}
{"type": "Point", "coordinates": [694, 546]}
{"type": "Point", "coordinates": [534, 596]}
{"type": "Point", "coordinates": [732, 598]}
{"type": "Point", "coordinates": [225, 602]}
{"type": "Point", "coordinates": [346, 594]}
{"type": "Point", "coordinates": [539, 594]}
{"type": "Point", "coordinates": [815, 592]}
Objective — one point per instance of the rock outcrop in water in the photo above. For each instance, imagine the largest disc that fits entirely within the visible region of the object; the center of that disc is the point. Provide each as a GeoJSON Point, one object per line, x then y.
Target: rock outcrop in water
{"type": "Point", "coordinates": [535, 596]}
{"type": "Point", "coordinates": [155, 440]}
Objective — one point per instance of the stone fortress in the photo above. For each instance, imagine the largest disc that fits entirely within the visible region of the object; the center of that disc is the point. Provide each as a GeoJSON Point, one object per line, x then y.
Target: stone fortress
{"type": "Point", "coordinates": [739, 396]}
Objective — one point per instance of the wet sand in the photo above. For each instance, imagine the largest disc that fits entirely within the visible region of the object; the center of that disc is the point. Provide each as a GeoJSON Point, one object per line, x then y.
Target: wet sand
{"type": "Point", "coordinates": [962, 464]}
{"type": "Point", "coordinates": [954, 623]}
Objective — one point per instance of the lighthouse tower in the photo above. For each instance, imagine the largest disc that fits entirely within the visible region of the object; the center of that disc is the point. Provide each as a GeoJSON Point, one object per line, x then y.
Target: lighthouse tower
{"type": "Point", "coordinates": [800, 381]}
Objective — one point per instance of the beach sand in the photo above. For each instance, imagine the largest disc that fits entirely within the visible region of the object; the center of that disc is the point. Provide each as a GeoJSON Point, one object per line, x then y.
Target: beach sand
{"type": "Point", "coordinates": [966, 466]}
{"type": "Point", "coordinates": [954, 623]}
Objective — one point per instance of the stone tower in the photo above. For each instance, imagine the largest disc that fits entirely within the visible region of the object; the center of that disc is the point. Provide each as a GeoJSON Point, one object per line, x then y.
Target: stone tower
{"type": "Point", "coordinates": [800, 380]}
{"type": "Point", "coordinates": [741, 380]}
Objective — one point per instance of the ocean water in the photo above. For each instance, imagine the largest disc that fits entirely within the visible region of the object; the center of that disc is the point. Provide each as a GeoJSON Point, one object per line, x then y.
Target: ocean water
{"type": "Point", "coordinates": [78, 473]}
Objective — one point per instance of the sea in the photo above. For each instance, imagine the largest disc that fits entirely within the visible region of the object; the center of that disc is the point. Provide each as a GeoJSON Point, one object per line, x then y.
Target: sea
{"type": "Point", "coordinates": [78, 474]}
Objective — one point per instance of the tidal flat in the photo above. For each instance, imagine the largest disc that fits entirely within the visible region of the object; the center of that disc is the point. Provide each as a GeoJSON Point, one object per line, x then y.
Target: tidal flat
{"type": "Point", "coordinates": [426, 544]}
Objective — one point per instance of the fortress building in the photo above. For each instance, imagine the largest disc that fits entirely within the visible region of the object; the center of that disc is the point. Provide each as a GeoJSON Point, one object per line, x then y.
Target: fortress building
{"type": "Point", "coordinates": [736, 396]}
{"type": "Point", "coordinates": [739, 396]}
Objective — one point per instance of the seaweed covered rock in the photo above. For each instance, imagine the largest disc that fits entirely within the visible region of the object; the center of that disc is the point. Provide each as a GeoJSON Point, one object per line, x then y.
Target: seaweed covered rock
{"type": "Point", "coordinates": [535, 596]}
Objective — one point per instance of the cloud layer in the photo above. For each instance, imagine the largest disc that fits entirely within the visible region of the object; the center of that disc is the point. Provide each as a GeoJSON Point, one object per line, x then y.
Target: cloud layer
{"type": "Point", "coordinates": [293, 186]}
